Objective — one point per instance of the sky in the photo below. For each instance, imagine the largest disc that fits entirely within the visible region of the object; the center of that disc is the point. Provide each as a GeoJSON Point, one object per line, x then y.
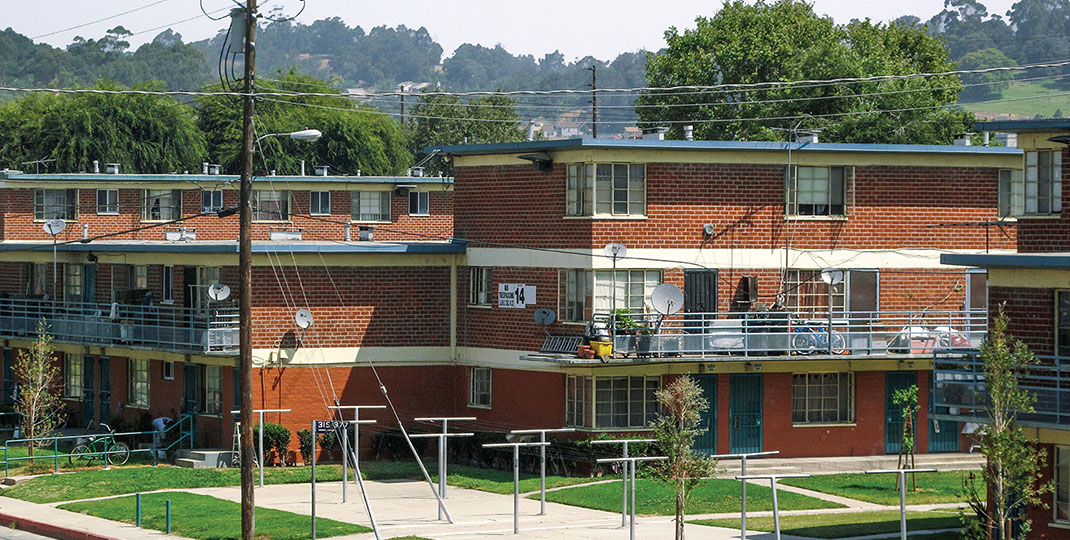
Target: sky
{"type": "Point", "coordinates": [600, 28]}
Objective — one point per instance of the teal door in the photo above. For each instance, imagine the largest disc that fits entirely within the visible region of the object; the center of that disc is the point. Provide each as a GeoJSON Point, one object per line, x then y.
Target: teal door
{"type": "Point", "coordinates": [943, 434]}
{"type": "Point", "coordinates": [893, 416]}
{"type": "Point", "coordinates": [707, 441]}
{"type": "Point", "coordinates": [89, 402]}
{"type": "Point", "coordinates": [105, 389]}
{"type": "Point", "coordinates": [745, 413]}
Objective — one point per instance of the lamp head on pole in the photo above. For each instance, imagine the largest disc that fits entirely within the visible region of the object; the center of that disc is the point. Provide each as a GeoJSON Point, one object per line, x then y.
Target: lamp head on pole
{"type": "Point", "coordinates": [306, 135]}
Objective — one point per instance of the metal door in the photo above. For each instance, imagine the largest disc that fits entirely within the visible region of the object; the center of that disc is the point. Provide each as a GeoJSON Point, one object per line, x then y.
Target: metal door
{"type": "Point", "coordinates": [105, 389]}
{"type": "Point", "coordinates": [707, 441]}
{"type": "Point", "coordinates": [191, 395]}
{"type": "Point", "coordinates": [745, 413]}
{"type": "Point", "coordinates": [943, 434]}
{"type": "Point", "coordinates": [700, 296]}
{"type": "Point", "coordinates": [9, 376]}
{"type": "Point", "coordinates": [89, 413]}
{"type": "Point", "coordinates": [893, 416]}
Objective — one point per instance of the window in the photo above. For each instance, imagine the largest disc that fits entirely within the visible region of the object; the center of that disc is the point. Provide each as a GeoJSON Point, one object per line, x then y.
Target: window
{"type": "Point", "coordinates": [808, 295]}
{"type": "Point", "coordinates": [74, 282]}
{"type": "Point", "coordinates": [371, 205]}
{"type": "Point", "coordinates": [818, 191]}
{"type": "Point", "coordinates": [419, 203]}
{"type": "Point", "coordinates": [139, 384]}
{"type": "Point", "coordinates": [619, 402]}
{"type": "Point", "coordinates": [480, 292]}
{"type": "Point", "coordinates": [107, 201]}
{"type": "Point", "coordinates": [574, 295]}
{"type": "Point", "coordinates": [271, 205]}
{"type": "Point", "coordinates": [632, 292]}
{"type": "Point", "coordinates": [211, 201]}
{"type": "Point", "coordinates": [1061, 497]}
{"type": "Point", "coordinates": [55, 204]}
{"type": "Point", "coordinates": [73, 376]}
{"type": "Point", "coordinates": [168, 371]}
{"type": "Point", "coordinates": [579, 401]}
{"type": "Point", "coordinates": [1035, 191]}
{"type": "Point", "coordinates": [213, 389]}
{"type": "Point", "coordinates": [161, 204]}
{"type": "Point", "coordinates": [822, 398]}
{"type": "Point", "coordinates": [605, 189]}
{"type": "Point", "coordinates": [168, 284]}
{"type": "Point", "coordinates": [139, 277]}
{"type": "Point", "coordinates": [1062, 323]}
{"type": "Point", "coordinates": [479, 387]}
{"type": "Point", "coordinates": [319, 203]}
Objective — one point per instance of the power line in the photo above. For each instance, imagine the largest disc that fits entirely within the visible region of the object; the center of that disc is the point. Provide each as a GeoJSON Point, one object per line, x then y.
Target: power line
{"type": "Point", "coordinates": [77, 26]}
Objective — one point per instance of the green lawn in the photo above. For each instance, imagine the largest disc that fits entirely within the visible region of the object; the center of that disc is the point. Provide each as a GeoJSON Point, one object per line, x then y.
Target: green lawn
{"type": "Point", "coordinates": [710, 496]}
{"type": "Point", "coordinates": [491, 480]}
{"type": "Point", "coordinates": [209, 518]}
{"type": "Point", "coordinates": [1044, 106]}
{"type": "Point", "coordinates": [938, 487]}
{"type": "Point", "coordinates": [48, 463]}
{"type": "Point", "coordinates": [845, 525]}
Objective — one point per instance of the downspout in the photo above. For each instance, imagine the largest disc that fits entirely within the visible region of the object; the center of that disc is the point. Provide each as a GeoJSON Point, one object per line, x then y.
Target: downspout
{"type": "Point", "coordinates": [453, 309]}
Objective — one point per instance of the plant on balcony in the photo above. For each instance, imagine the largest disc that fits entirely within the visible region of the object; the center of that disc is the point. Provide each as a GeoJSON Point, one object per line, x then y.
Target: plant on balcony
{"type": "Point", "coordinates": [625, 323]}
{"type": "Point", "coordinates": [38, 402]}
{"type": "Point", "coordinates": [1012, 479]}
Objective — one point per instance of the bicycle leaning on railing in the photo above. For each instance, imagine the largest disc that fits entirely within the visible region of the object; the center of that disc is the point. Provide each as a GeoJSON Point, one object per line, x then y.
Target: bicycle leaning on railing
{"type": "Point", "coordinates": [101, 448]}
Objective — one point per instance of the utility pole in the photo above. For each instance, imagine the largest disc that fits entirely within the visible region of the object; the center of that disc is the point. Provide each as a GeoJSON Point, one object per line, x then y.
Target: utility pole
{"type": "Point", "coordinates": [401, 94]}
{"type": "Point", "coordinates": [245, 268]}
{"type": "Point", "coordinates": [594, 100]}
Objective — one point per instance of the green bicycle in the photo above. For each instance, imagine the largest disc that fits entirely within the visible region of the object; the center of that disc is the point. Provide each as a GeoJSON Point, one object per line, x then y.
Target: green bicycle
{"type": "Point", "coordinates": [118, 453]}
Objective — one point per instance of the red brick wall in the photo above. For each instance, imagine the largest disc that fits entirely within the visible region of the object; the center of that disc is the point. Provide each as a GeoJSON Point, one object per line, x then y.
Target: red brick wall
{"type": "Point", "coordinates": [519, 399]}
{"type": "Point", "coordinates": [1048, 234]}
{"type": "Point", "coordinates": [1031, 312]}
{"type": "Point", "coordinates": [894, 208]}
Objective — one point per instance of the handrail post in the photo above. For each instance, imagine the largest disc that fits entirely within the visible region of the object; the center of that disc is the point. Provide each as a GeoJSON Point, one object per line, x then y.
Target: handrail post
{"type": "Point", "coordinates": [55, 454]}
{"type": "Point", "coordinates": [106, 467]}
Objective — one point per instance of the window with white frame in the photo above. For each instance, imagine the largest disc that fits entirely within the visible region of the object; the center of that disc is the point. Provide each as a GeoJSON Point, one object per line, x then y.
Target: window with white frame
{"type": "Point", "coordinates": [822, 398]}
{"type": "Point", "coordinates": [168, 371]}
{"type": "Point", "coordinates": [271, 205]}
{"type": "Point", "coordinates": [625, 402]}
{"type": "Point", "coordinates": [1062, 323]}
{"type": "Point", "coordinates": [605, 189]}
{"type": "Point", "coordinates": [211, 201]}
{"type": "Point", "coordinates": [73, 376]}
{"type": "Point", "coordinates": [213, 390]}
{"type": "Point", "coordinates": [319, 203]}
{"type": "Point", "coordinates": [818, 191]}
{"type": "Point", "coordinates": [479, 387]}
{"type": "Point", "coordinates": [55, 204]}
{"type": "Point", "coordinates": [633, 288]}
{"type": "Point", "coordinates": [139, 277]}
{"type": "Point", "coordinates": [168, 283]}
{"type": "Point", "coordinates": [579, 401]}
{"type": "Point", "coordinates": [1043, 182]}
{"type": "Point", "coordinates": [371, 206]}
{"type": "Point", "coordinates": [107, 201]}
{"type": "Point", "coordinates": [808, 295]}
{"type": "Point", "coordinates": [74, 284]}
{"type": "Point", "coordinates": [480, 291]}
{"type": "Point", "coordinates": [1061, 497]}
{"type": "Point", "coordinates": [161, 204]}
{"type": "Point", "coordinates": [419, 203]}
{"type": "Point", "coordinates": [138, 376]}
{"type": "Point", "coordinates": [574, 295]}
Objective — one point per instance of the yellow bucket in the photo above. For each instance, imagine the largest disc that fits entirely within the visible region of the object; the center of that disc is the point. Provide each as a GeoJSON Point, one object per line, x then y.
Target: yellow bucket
{"type": "Point", "coordinates": [602, 348]}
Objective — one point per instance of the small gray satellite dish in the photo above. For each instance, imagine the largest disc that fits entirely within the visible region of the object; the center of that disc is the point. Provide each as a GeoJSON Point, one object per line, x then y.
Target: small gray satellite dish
{"type": "Point", "coordinates": [832, 276]}
{"type": "Point", "coordinates": [545, 316]}
{"type": "Point", "coordinates": [218, 292]}
{"type": "Point", "coordinates": [667, 299]}
{"type": "Point", "coordinates": [303, 318]}
{"type": "Point", "coordinates": [616, 251]}
{"type": "Point", "coordinates": [55, 226]}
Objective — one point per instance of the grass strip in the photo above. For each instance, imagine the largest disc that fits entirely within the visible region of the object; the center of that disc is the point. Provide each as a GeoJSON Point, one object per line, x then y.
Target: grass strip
{"type": "Point", "coordinates": [844, 525]}
{"type": "Point", "coordinates": [208, 518]}
{"type": "Point", "coordinates": [933, 488]}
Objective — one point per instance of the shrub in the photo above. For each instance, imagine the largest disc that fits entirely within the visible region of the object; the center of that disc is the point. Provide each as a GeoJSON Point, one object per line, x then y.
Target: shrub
{"type": "Point", "coordinates": [304, 444]}
{"type": "Point", "coordinates": [276, 437]}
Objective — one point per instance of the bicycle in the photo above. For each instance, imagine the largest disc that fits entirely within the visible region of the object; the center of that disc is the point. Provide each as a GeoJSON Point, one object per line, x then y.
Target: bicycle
{"type": "Point", "coordinates": [806, 339]}
{"type": "Point", "coordinates": [117, 452]}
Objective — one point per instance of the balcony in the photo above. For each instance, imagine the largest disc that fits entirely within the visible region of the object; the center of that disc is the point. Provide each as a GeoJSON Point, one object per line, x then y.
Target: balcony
{"type": "Point", "coordinates": [960, 389]}
{"type": "Point", "coordinates": [159, 327]}
{"type": "Point", "coordinates": [781, 333]}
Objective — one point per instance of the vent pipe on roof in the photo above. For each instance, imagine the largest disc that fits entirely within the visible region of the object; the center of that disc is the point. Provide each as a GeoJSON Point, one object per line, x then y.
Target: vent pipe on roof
{"type": "Point", "coordinates": [418, 172]}
{"type": "Point", "coordinates": [85, 231]}
{"type": "Point", "coordinates": [112, 168]}
{"type": "Point", "coordinates": [204, 167]}
{"type": "Point", "coordinates": [96, 167]}
{"type": "Point", "coordinates": [962, 139]}
{"type": "Point", "coordinates": [531, 130]}
{"type": "Point", "coordinates": [321, 170]}
{"type": "Point", "coordinates": [807, 137]}
{"type": "Point", "coordinates": [213, 169]}
{"type": "Point", "coordinates": [302, 167]}
{"type": "Point", "coordinates": [348, 235]}
{"type": "Point", "coordinates": [654, 134]}
{"type": "Point", "coordinates": [358, 172]}
{"type": "Point", "coordinates": [689, 133]}
{"type": "Point", "coordinates": [987, 137]}
{"type": "Point", "coordinates": [271, 172]}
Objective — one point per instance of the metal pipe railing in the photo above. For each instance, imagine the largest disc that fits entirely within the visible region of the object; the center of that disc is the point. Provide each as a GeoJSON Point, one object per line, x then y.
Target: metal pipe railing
{"type": "Point", "coordinates": [959, 386]}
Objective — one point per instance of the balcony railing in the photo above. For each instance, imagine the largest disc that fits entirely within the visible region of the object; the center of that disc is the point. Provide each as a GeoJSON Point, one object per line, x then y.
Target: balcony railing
{"type": "Point", "coordinates": [959, 378]}
{"type": "Point", "coordinates": [780, 333]}
{"type": "Point", "coordinates": [159, 327]}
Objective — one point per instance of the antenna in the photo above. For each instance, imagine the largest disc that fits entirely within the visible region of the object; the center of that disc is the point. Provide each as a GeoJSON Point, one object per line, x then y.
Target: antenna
{"type": "Point", "coordinates": [616, 251]}
{"type": "Point", "coordinates": [832, 276]}
{"type": "Point", "coordinates": [218, 292]}
{"type": "Point", "coordinates": [667, 299]}
{"type": "Point", "coordinates": [545, 317]}
{"type": "Point", "coordinates": [55, 226]}
{"type": "Point", "coordinates": [303, 318]}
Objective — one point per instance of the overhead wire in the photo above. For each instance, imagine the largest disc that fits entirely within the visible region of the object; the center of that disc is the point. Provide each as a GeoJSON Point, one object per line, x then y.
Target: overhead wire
{"type": "Point", "coordinates": [102, 19]}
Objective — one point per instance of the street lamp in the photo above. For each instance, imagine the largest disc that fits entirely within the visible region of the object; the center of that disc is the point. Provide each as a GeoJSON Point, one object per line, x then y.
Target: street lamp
{"type": "Point", "coordinates": [307, 135]}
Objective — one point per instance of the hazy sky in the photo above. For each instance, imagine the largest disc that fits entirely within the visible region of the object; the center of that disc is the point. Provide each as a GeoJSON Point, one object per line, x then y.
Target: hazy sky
{"type": "Point", "coordinates": [577, 28]}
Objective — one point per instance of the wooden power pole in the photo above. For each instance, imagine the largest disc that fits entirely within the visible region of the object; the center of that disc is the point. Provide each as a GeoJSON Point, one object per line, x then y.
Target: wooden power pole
{"type": "Point", "coordinates": [245, 268]}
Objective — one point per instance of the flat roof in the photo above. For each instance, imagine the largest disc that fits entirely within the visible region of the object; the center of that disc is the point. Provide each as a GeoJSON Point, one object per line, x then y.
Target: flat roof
{"type": "Point", "coordinates": [1009, 260]}
{"type": "Point", "coordinates": [222, 247]}
{"type": "Point", "coordinates": [759, 146]}
{"type": "Point", "coordinates": [17, 176]}
{"type": "Point", "coordinates": [1041, 125]}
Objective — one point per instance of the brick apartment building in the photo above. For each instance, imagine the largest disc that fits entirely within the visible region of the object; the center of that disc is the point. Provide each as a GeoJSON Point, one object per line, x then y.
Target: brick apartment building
{"type": "Point", "coordinates": [1033, 288]}
{"type": "Point", "coordinates": [742, 228]}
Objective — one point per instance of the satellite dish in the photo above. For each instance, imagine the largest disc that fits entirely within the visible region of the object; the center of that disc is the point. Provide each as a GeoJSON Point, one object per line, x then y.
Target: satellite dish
{"type": "Point", "coordinates": [218, 292]}
{"type": "Point", "coordinates": [55, 226]}
{"type": "Point", "coordinates": [616, 251]}
{"type": "Point", "coordinates": [667, 299]}
{"type": "Point", "coordinates": [545, 316]}
{"type": "Point", "coordinates": [832, 276]}
{"type": "Point", "coordinates": [303, 318]}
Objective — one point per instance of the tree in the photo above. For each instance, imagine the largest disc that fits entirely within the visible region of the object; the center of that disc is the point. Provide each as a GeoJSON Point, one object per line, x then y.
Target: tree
{"type": "Point", "coordinates": [355, 138]}
{"type": "Point", "coordinates": [784, 40]}
{"type": "Point", "coordinates": [907, 400]}
{"type": "Point", "coordinates": [1011, 479]}
{"type": "Point", "coordinates": [38, 403]}
{"type": "Point", "coordinates": [982, 86]}
{"type": "Point", "coordinates": [146, 133]}
{"type": "Point", "coordinates": [440, 119]}
{"type": "Point", "coordinates": [676, 432]}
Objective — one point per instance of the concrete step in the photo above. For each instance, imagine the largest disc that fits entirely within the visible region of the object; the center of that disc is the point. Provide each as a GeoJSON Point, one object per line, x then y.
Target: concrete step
{"type": "Point", "coordinates": [201, 458]}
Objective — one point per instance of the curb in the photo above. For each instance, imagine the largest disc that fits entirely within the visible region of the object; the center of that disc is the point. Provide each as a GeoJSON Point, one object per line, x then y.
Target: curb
{"type": "Point", "coordinates": [49, 530]}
